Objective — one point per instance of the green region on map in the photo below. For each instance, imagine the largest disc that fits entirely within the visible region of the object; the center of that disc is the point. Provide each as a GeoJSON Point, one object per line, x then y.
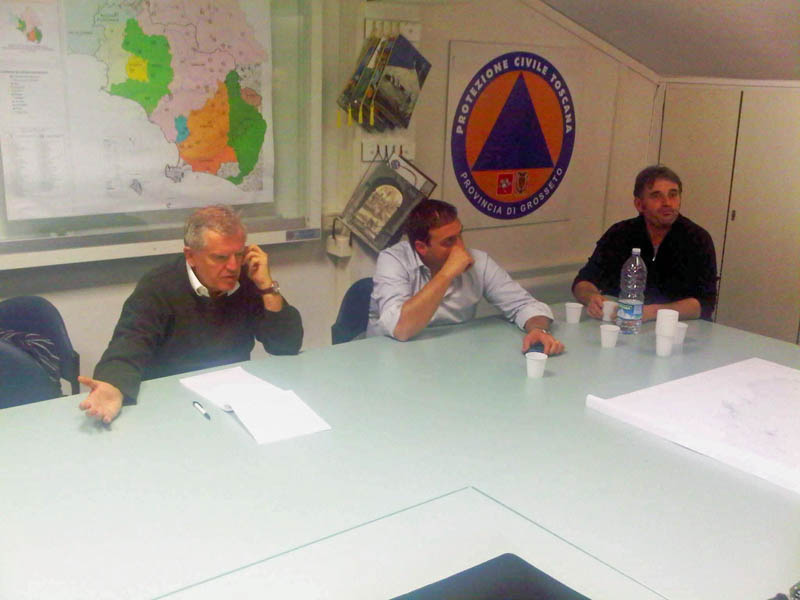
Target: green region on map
{"type": "Point", "coordinates": [247, 128]}
{"type": "Point", "coordinates": [154, 49]}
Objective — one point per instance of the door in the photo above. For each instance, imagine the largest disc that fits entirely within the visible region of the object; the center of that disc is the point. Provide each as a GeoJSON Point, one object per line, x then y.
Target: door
{"type": "Point", "coordinates": [698, 142]}
{"type": "Point", "coordinates": [760, 278]}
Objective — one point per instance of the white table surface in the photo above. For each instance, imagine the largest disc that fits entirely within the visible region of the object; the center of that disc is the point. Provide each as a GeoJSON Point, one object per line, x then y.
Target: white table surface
{"type": "Point", "coordinates": [164, 500]}
{"type": "Point", "coordinates": [413, 548]}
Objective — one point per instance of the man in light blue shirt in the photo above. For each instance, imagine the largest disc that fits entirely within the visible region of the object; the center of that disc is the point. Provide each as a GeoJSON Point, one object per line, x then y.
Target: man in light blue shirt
{"type": "Point", "coordinates": [432, 279]}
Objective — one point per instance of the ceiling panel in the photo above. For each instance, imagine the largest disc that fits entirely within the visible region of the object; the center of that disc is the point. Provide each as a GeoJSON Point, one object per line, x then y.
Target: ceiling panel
{"type": "Point", "coordinates": [703, 38]}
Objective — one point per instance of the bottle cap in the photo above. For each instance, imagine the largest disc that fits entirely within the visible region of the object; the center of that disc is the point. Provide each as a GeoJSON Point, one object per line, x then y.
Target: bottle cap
{"type": "Point", "coordinates": [636, 251]}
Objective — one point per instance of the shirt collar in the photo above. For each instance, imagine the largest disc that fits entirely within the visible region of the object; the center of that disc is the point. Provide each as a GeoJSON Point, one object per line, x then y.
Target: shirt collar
{"type": "Point", "coordinates": [199, 288]}
{"type": "Point", "coordinates": [418, 260]}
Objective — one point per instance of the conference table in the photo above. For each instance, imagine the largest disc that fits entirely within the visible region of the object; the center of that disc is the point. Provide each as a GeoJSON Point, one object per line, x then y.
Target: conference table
{"type": "Point", "coordinates": [441, 455]}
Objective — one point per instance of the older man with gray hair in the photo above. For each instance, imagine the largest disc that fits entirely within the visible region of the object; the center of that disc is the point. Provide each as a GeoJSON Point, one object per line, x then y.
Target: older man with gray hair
{"type": "Point", "coordinates": [199, 310]}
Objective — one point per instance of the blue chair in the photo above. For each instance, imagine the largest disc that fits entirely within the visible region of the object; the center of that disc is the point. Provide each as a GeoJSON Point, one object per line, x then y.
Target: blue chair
{"type": "Point", "coordinates": [22, 379]}
{"type": "Point", "coordinates": [34, 314]}
{"type": "Point", "coordinates": [353, 312]}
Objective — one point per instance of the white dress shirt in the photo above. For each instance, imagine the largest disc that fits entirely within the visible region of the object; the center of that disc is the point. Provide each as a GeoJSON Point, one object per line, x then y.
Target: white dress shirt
{"type": "Point", "coordinates": [400, 274]}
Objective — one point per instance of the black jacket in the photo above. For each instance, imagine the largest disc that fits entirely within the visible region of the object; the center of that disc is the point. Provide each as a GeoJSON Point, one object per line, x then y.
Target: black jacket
{"type": "Point", "coordinates": [685, 266]}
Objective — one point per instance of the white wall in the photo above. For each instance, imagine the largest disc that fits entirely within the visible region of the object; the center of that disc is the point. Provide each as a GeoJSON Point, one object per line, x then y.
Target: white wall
{"type": "Point", "coordinates": [613, 142]}
{"type": "Point", "coordinates": [531, 23]}
{"type": "Point", "coordinates": [637, 116]}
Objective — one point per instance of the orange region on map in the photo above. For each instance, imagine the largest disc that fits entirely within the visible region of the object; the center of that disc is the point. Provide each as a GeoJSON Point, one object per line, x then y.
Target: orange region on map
{"type": "Point", "coordinates": [485, 112]}
{"type": "Point", "coordinates": [206, 147]}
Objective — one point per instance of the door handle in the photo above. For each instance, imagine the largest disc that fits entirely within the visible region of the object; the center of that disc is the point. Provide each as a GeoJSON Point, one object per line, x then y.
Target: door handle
{"type": "Point", "coordinates": [733, 215]}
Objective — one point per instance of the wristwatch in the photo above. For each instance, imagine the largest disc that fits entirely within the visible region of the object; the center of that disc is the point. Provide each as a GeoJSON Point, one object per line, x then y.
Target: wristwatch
{"type": "Point", "coordinates": [273, 289]}
{"type": "Point", "coordinates": [543, 330]}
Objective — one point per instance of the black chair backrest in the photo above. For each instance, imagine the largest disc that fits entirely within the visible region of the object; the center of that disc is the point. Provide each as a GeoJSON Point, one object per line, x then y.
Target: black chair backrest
{"type": "Point", "coordinates": [353, 312]}
{"type": "Point", "coordinates": [34, 314]}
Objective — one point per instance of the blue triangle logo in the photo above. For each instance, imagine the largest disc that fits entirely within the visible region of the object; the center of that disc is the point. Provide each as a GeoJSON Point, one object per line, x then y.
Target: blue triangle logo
{"type": "Point", "coordinates": [516, 140]}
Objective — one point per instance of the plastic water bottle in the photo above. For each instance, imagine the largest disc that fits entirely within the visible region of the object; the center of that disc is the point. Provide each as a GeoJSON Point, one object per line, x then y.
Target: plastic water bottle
{"type": "Point", "coordinates": [632, 282]}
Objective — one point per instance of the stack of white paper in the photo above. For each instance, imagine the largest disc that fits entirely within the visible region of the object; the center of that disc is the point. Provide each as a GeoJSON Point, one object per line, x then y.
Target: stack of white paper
{"type": "Point", "coordinates": [268, 412]}
{"type": "Point", "coordinates": [746, 414]}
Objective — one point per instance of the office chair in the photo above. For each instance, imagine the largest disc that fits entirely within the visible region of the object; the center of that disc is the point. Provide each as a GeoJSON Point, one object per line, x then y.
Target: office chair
{"type": "Point", "coordinates": [353, 312]}
{"type": "Point", "coordinates": [22, 379]}
{"type": "Point", "coordinates": [34, 314]}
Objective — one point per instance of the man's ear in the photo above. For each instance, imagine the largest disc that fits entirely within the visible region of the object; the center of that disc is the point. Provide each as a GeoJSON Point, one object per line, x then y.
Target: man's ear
{"type": "Point", "coordinates": [637, 202]}
{"type": "Point", "coordinates": [189, 254]}
{"type": "Point", "coordinates": [421, 247]}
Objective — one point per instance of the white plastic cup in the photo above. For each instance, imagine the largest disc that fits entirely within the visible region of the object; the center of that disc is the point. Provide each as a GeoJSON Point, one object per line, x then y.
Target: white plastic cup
{"type": "Point", "coordinates": [535, 362]}
{"type": "Point", "coordinates": [667, 315]}
{"type": "Point", "coordinates": [663, 344]}
{"type": "Point", "coordinates": [610, 310]}
{"type": "Point", "coordinates": [680, 333]}
{"type": "Point", "coordinates": [666, 320]}
{"type": "Point", "coordinates": [574, 312]}
{"type": "Point", "coordinates": [667, 329]}
{"type": "Point", "coordinates": [608, 335]}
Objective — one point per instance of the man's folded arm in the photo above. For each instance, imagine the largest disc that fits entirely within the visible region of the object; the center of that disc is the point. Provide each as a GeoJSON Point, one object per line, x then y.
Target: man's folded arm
{"type": "Point", "coordinates": [598, 270]}
{"type": "Point", "coordinates": [688, 309]}
{"type": "Point", "coordinates": [588, 294]}
{"type": "Point", "coordinates": [392, 288]}
{"type": "Point", "coordinates": [417, 311]}
{"type": "Point", "coordinates": [510, 297]}
{"type": "Point", "coordinates": [583, 290]}
{"type": "Point", "coordinates": [280, 332]}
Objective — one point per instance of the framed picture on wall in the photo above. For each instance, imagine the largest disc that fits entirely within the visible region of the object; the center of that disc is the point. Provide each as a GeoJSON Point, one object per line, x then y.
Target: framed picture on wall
{"type": "Point", "coordinates": [382, 200]}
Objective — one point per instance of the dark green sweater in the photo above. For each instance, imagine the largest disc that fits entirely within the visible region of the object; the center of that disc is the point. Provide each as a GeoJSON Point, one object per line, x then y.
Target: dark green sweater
{"type": "Point", "coordinates": [166, 328]}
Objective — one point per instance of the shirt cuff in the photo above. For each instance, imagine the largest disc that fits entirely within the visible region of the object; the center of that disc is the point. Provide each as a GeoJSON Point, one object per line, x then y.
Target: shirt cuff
{"type": "Point", "coordinates": [539, 309]}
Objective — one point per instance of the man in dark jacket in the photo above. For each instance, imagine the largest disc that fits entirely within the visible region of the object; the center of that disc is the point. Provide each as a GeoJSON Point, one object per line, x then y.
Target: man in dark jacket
{"type": "Point", "coordinates": [199, 310]}
{"type": "Point", "coordinates": [679, 254]}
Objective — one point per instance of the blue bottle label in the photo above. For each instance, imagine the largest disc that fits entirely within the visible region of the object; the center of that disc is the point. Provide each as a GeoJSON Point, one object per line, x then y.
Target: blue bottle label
{"type": "Point", "coordinates": [630, 309]}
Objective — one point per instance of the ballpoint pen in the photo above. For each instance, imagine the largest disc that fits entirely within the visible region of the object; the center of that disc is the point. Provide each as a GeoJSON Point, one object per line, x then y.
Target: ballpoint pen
{"type": "Point", "coordinates": [199, 407]}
